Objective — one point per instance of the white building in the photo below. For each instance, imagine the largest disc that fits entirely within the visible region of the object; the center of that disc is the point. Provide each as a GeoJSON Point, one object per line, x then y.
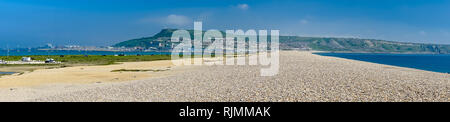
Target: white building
{"type": "Point", "coordinates": [26, 59]}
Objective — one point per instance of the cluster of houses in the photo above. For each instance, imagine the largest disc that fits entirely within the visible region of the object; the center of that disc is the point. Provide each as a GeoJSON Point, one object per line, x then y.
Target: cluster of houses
{"type": "Point", "coordinates": [29, 60]}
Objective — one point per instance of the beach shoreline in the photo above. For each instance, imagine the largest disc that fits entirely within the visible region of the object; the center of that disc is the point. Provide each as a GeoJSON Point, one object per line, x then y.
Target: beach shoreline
{"type": "Point", "coordinates": [303, 76]}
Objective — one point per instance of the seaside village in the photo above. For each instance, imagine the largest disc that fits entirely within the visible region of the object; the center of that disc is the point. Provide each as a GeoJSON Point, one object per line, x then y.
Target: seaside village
{"type": "Point", "coordinates": [29, 60]}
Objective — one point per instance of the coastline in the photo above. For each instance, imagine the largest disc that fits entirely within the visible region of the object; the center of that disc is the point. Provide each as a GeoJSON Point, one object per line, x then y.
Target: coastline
{"type": "Point", "coordinates": [381, 52]}
{"type": "Point", "coordinates": [303, 76]}
{"type": "Point", "coordinates": [428, 62]}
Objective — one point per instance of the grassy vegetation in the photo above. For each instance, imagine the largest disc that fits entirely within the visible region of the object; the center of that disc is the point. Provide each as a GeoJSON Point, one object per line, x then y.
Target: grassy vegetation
{"type": "Point", "coordinates": [74, 60]}
{"type": "Point", "coordinates": [69, 60]}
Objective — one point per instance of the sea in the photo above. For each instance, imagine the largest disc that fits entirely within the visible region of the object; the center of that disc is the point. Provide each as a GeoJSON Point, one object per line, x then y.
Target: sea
{"type": "Point", "coordinates": [429, 62]}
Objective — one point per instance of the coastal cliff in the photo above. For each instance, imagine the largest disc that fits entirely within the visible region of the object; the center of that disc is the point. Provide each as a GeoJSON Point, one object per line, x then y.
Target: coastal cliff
{"type": "Point", "coordinates": [161, 41]}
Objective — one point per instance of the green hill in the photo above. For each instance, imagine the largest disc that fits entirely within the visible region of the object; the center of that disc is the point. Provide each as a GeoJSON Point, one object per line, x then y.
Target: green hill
{"type": "Point", "coordinates": [161, 41]}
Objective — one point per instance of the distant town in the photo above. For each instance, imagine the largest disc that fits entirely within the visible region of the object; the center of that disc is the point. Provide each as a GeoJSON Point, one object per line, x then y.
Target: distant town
{"type": "Point", "coordinates": [96, 48]}
{"type": "Point", "coordinates": [52, 47]}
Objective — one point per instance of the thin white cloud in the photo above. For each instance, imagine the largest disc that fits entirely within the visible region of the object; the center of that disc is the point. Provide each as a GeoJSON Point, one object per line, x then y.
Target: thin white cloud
{"type": "Point", "coordinates": [423, 33]}
{"type": "Point", "coordinates": [445, 33]}
{"type": "Point", "coordinates": [171, 19]}
{"type": "Point", "coordinates": [304, 21]}
{"type": "Point", "coordinates": [177, 19]}
{"type": "Point", "coordinates": [243, 6]}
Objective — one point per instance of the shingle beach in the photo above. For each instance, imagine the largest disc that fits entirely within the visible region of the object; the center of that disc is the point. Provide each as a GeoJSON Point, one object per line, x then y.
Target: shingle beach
{"type": "Point", "coordinates": [303, 76]}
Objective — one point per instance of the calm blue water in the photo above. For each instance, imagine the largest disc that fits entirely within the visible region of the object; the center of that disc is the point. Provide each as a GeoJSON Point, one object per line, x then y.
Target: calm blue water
{"type": "Point", "coordinates": [430, 62]}
{"type": "Point", "coordinates": [72, 52]}
{"type": "Point", "coordinates": [6, 73]}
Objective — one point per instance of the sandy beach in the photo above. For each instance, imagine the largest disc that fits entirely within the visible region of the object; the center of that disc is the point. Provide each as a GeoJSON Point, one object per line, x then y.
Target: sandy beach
{"type": "Point", "coordinates": [85, 74]}
{"type": "Point", "coordinates": [303, 76]}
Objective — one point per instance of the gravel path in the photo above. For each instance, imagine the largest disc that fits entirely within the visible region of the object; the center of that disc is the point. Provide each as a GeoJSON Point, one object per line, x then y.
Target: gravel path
{"type": "Point", "coordinates": [303, 77]}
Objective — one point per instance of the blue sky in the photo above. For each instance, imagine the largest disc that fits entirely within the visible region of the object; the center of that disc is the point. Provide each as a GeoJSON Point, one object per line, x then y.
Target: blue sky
{"type": "Point", "coordinates": [29, 23]}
